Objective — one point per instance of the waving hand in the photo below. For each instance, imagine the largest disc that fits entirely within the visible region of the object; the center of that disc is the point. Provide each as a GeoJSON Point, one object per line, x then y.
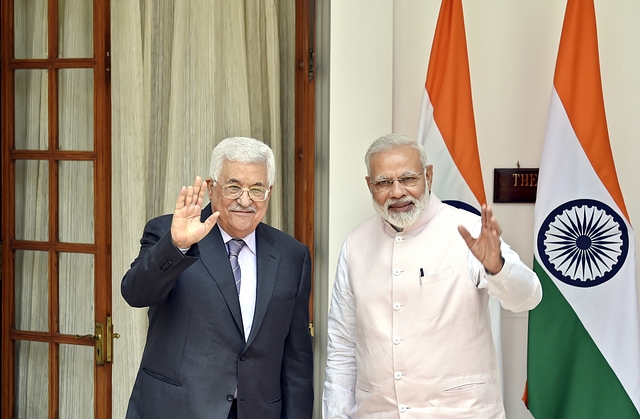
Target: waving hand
{"type": "Point", "coordinates": [186, 227]}
{"type": "Point", "coordinates": [486, 248]}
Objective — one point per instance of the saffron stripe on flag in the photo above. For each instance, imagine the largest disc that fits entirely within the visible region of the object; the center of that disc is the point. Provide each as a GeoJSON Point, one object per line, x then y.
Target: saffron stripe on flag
{"type": "Point", "coordinates": [448, 85]}
{"type": "Point", "coordinates": [585, 106]}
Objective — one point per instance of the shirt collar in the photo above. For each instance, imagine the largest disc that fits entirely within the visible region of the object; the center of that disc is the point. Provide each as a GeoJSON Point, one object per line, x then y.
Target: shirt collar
{"type": "Point", "coordinates": [249, 239]}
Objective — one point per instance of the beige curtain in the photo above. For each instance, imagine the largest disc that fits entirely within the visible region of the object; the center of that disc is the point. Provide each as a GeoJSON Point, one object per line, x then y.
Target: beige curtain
{"type": "Point", "coordinates": [185, 75]}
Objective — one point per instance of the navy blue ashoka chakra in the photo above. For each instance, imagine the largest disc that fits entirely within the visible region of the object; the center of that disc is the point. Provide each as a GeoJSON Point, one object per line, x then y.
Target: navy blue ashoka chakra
{"type": "Point", "coordinates": [583, 243]}
{"type": "Point", "coordinates": [461, 205]}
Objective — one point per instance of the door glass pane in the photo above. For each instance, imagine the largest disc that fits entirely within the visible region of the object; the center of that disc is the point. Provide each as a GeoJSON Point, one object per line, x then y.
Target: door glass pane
{"type": "Point", "coordinates": [32, 200]}
{"type": "Point", "coordinates": [31, 109]}
{"type": "Point", "coordinates": [76, 296]}
{"type": "Point", "coordinates": [76, 381]}
{"type": "Point", "coordinates": [75, 108]}
{"type": "Point", "coordinates": [75, 28]}
{"type": "Point", "coordinates": [76, 201]}
{"type": "Point", "coordinates": [30, 28]}
{"type": "Point", "coordinates": [31, 379]}
{"type": "Point", "coordinates": [32, 290]}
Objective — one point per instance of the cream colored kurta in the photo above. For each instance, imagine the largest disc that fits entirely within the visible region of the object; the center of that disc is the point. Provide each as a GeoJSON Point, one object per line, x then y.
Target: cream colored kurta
{"type": "Point", "coordinates": [409, 327]}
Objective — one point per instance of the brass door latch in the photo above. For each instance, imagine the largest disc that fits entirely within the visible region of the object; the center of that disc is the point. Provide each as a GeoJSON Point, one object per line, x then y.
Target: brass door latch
{"type": "Point", "coordinates": [103, 338]}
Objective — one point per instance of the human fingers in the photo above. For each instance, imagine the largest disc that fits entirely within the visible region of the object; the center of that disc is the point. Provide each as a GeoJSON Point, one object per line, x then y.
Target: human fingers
{"type": "Point", "coordinates": [197, 184]}
{"type": "Point", "coordinates": [202, 188]}
{"type": "Point", "coordinates": [189, 197]}
{"type": "Point", "coordinates": [489, 221]}
{"type": "Point", "coordinates": [181, 198]}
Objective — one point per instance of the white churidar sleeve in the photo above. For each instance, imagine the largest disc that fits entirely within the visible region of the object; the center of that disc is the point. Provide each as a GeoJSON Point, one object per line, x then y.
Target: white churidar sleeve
{"type": "Point", "coordinates": [516, 286]}
{"type": "Point", "coordinates": [339, 400]}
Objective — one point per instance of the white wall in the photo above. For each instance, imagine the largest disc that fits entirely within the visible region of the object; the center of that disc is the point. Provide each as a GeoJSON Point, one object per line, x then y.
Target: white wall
{"type": "Point", "coordinates": [379, 55]}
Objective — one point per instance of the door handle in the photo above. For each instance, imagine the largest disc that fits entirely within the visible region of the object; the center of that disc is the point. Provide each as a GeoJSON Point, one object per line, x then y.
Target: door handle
{"type": "Point", "coordinates": [98, 337]}
{"type": "Point", "coordinates": [103, 338]}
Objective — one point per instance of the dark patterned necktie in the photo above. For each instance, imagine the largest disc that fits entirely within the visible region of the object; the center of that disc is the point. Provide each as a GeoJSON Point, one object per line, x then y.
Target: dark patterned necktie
{"type": "Point", "coordinates": [235, 246]}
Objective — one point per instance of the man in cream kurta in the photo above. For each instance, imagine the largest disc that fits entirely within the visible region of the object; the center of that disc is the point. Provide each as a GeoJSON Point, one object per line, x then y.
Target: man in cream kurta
{"type": "Point", "coordinates": [409, 327]}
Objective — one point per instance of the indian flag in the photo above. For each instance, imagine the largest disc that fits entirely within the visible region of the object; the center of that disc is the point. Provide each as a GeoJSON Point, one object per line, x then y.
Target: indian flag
{"type": "Point", "coordinates": [447, 128]}
{"type": "Point", "coordinates": [584, 344]}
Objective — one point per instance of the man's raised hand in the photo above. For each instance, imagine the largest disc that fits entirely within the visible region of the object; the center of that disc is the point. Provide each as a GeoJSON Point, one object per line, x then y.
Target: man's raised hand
{"type": "Point", "coordinates": [186, 227]}
{"type": "Point", "coordinates": [486, 248]}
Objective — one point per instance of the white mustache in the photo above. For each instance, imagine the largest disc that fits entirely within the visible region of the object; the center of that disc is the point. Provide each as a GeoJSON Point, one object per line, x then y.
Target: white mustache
{"type": "Point", "coordinates": [241, 208]}
{"type": "Point", "coordinates": [403, 200]}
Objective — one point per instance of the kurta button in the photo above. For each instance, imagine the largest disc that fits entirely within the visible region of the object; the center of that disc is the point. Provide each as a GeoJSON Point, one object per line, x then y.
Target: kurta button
{"type": "Point", "coordinates": [397, 272]}
{"type": "Point", "coordinates": [397, 341]}
{"type": "Point", "coordinates": [397, 306]}
{"type": "Point", "coordinates": [402, 408]}
{"type": "Point", "coordinates": [398, 239]}
{"type": "Point", "coordinates": [398, 375]}
{"type": "Point", "coordinates": [229, 397]}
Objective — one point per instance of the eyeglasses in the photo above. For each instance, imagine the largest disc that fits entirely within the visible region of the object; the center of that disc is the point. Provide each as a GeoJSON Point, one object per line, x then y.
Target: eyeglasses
{"type": "Point", "coordinates": [383, 185]}
{"type": "Point", "coordinates": [256, 193]}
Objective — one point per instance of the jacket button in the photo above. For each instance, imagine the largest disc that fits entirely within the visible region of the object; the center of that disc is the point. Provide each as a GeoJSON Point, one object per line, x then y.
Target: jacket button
{"type": "Point", "coordinates": [243, 357]}
{"type": "Point", "coordinates": [165, 266]}
{"type": "Point", "coordinates": [229, 397]}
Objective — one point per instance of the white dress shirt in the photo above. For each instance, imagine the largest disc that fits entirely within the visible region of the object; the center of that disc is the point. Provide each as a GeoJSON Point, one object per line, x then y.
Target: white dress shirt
{"type": "Point", "coordinates": [248, 278]}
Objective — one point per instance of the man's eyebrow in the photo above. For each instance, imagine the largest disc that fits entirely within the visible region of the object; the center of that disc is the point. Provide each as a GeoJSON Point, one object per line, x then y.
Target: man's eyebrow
{"type": "Point", "coordinates": [234, 180]}
{"type": "Point", "coordinates": [408, 173]}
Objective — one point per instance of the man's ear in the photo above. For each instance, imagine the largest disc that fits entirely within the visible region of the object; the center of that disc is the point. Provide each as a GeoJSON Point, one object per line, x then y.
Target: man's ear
{"type": "Point", "coordinates": [429, 174]}
{"type": "Point", "coordinates": [368, 180]}
{"type": "Point", "coordinates": [210, 186]}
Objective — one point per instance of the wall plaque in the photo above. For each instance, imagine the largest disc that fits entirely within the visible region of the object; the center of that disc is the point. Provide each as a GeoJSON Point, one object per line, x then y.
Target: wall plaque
{"type": "Point", "coordinates": [515, 185]}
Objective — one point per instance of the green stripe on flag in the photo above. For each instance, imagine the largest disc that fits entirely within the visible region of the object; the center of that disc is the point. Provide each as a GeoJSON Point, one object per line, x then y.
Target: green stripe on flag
{"type": "Point", "coordinates": [568, 378]}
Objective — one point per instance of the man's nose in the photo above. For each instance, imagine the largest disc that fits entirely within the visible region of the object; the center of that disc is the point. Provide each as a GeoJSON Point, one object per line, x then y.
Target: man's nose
{"type": "Point", "coordinates": [244, 198]}
{"type": "Point", "coordinates": [397, 190]}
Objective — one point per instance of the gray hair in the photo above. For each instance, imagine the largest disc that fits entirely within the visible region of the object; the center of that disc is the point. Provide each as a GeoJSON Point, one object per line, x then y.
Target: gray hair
{"type": "Point", "coordinates": [391, 142]}
{"type": "Point", "coordinates": [242, 150]}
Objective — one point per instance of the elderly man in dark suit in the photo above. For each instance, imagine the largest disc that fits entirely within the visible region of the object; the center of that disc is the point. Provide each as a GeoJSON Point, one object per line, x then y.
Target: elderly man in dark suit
{"type": "Point", "coordinates": [228, 301]}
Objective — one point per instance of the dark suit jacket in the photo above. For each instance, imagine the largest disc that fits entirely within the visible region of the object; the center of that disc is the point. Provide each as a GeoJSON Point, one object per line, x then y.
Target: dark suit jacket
{"type": "Point", "coordinates": [195, 355]}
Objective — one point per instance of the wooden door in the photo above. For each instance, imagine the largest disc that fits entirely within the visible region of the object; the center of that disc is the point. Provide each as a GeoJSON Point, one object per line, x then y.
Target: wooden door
{"type": "Point", "coordinates": [56, 209]}
{"type": "Point", "coordinates": [305, 131]}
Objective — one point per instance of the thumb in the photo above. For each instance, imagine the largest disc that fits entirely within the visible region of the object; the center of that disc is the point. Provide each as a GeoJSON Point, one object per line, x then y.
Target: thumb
{"type": "Point", "coordinates": [211, 221]}
{"type": "Point", "coordinates": [465, 235]}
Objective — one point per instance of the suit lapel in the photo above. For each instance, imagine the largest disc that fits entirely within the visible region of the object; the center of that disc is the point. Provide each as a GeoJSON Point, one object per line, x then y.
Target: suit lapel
{"type": "Point", "coordinates": [268, 259]}
{"type": "Point", "coordinates": [213, 254]}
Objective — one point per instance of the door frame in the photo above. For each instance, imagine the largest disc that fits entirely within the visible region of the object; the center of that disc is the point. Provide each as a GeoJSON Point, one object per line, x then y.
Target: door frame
{"type": "Point", "coordinates": [101, 158]}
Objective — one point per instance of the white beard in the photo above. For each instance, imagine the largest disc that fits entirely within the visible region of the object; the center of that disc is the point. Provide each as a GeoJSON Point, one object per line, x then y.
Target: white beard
{"type": "Point", "coordinates": [403, 220]}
